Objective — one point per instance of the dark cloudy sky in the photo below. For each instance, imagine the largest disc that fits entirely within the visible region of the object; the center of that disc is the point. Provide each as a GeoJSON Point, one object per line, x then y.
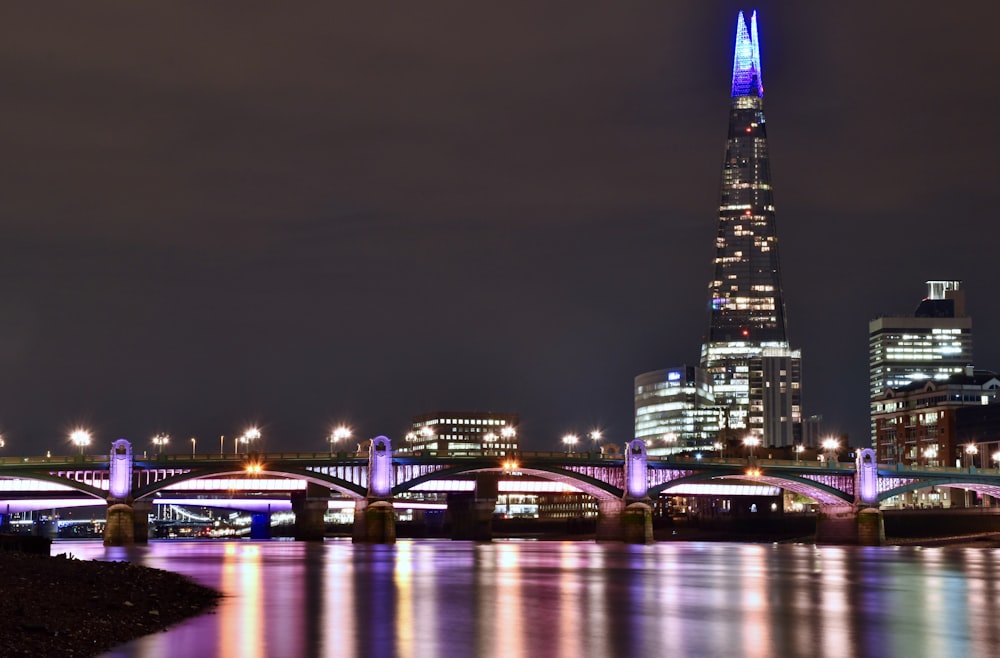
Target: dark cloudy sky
{"type": "Point", "coordinates": [220, 214]}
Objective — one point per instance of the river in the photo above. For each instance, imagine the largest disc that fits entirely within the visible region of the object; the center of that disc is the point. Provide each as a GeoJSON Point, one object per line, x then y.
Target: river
{"type": "Point", "coordinates": [567, 599]}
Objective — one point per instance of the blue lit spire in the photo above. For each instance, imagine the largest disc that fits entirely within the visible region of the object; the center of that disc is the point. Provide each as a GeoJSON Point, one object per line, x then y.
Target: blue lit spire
{"type": "Point", "coordinates": [746, 60]}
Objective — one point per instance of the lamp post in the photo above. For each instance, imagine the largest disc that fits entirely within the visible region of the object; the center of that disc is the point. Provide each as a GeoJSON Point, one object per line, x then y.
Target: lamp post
{"type": "Point", "coordinates": [971, 450]}
{"type": "Point", "coordinates": [336, 435]}
{"type": "Point", "coordinates": [930, 453]}
{"type": "Point", "coordinates": [508, 434]}
{"type": "Point", "coordinates": [751, 442]}
{"type": "Point", "coordinates": [595, 436]}
{"type": "Point", "coordinates": [490, 439]}
{"type": "Point", "coordinates": [194, 443]}
{"type": "Point", "coordinates": [159, 441]}
{"type": "Point", "coordinates": [80, 438]}
{"type": "Point", "coordinates": [249, 436]}
{"type": "Point", "coordinates": [996, 457]}
{"type": "Point", "coordinates": [718, 446]}
{"type": "Point", "coordinates": [830, 447]}
{"type": "Point", "coordinates": [570, 441]}
{"type": "Point", "coordinates": [670, 439]}
{"type": "Point", "coordinates": [799, 449]}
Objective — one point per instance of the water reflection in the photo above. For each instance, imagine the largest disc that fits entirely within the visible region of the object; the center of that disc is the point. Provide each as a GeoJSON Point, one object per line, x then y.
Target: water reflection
{"type": "Point", "coordinates": [441, 598]}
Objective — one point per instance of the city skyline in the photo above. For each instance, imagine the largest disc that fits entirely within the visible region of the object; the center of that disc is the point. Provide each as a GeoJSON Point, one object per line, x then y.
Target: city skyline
{"type": "Point", "coordinates": [300, 221]}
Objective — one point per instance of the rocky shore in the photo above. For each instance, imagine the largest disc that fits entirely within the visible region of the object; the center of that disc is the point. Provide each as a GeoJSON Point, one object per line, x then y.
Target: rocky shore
{"type": "Point", "coordinates": [59, 606]}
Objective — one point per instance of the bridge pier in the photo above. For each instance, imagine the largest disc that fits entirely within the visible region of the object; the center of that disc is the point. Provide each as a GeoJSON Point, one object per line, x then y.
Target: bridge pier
{"type": "Point", "coordinates": [850, 524]}
{"type": "Point", "coordinates": [471, 515]}
{"type": "Point", "coordinates": [119, 528]}
{"type": "Point", "coordinates": [374, 522]}
{"type": "Point", "coordinates": [310, 507]}
{"type": "Point", "coordinates": [624, 521]}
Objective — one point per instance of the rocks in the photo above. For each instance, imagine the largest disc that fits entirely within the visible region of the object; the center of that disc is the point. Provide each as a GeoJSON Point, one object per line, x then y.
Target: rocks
{"type": "Point", "coordinates": [58, 606]}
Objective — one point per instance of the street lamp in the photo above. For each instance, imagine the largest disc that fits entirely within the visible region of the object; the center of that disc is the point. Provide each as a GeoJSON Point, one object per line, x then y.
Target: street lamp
{"type": "Point", "coordinates": [971, 450]}
{"type": "Point", "coordinates": [194, 442]}
{"type": "Point", "coordinates": [336, 435]}
{"type": "Point", "coordinates": [251, 434]}
{"type": "Point", "coordinates": [930, 453]}
{"type": "Point", "coordinates": [830, 447]}
{"type": "Point", "coordinates": [751, 442]}
{"type": "Point", "coordinates": [596, 436]}
{"type": "Point", "coordinates": [996, 457]}
{"type": "Point", "coordinates": [508, 434]}
{"type": "Point", "coordinates": [570, 441]}
{"type": "Point", "coordinates": [799, 449]}
{"type": "Point", "coordinates": [80, 438]}
{"type": "Point", "coordinates": [159, 441]}
{"type": "Point", "coordinates": [717, 446]}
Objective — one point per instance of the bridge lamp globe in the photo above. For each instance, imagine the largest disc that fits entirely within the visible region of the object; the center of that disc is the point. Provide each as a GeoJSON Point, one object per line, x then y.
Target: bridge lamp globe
{"type": "Point", "coordinates": [570, 441]}
{"type": "Point", "coordinates": [831, 445]}
{"type": "Point", "coordinates": [80, 438]}
{"type": "Point", "coordinates": [995, 455]}
{"type": "Point", "coordinates": [159, 441]}
{"type": "Point", "coordinates": [338, 435]}
{"type": "Point", "coordinates": [751, 442]}
{"type": "Point", "coordinates": [250, 435]}
{"type": "Point", "coordinates": [490, 438]}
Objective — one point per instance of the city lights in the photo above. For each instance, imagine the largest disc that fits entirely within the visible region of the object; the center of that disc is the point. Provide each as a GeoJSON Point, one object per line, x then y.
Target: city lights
{"type": "Point", "coordinates": [337, 435]}
{"type": "Point", "coordinates": [80, 438]}
{"type": "Point", "coordinates": [159, 441]}
{"type": "Point", "coordinates": [751, 442]}
{"type": "Point", "coordinates": [570, 441]}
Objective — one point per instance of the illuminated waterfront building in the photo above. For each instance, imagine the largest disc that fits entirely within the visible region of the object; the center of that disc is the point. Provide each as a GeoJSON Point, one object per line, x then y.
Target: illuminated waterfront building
{"type": "Point", "coordinates": [463, 431]}
{"type": "Point", "coordinates": [675, 410]}
{"type": "Point", "coordinates": [755, 376]}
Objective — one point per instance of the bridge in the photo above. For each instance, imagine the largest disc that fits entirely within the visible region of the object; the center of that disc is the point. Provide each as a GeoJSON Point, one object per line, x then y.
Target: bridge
{"type": "Point", "coordinates": [377, 482]}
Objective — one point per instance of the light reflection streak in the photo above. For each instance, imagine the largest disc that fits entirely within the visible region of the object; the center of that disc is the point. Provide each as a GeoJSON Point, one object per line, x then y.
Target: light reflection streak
{"type": "Point", "coordinates": [835, 632]}
{"type": "Point", "coordinates": [754, 623]}
{"type": "Point", "coordinates": [242, 624]}
{"type": "Point", "coordinates": [570, 633]}
{"type": "Point", "coordinates": [339, 620]}
{"type": "Point", "coordinates": [403, 578]}
{"type": "Point", "coordinates": [508, 634]}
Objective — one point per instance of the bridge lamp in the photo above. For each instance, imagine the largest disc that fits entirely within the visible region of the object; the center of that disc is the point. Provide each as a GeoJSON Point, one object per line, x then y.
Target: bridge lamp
{"type": "Point", "coordinates": [596, 436]}
{"type": "Point", "coordinates": [3, 444]}
{"type": "Point", "coordinates": [254, 469]}
{"type": "Point", "coordinates": [751, 442]}
{"type": "Point", "coordinates": [799, 449]}
{"type": "Point", "coordinates": [570, 441]}
{"type": "Point", "coordinates": [337, 435]}
{"type": "Point", "coordinates": [490, 439]}
{"type": "Point", "coordinates": [159, 441]}
{"type": "Point", "coordinates": [80, 438]}
{"type": "Point", "coordinates": [508, 433]}
{"type": "Point", "coordinates": [251, 434]}
{"type": "Point", "coordinates": [971, 450]}
{"type": "Point", "coordinates": [194, 443]}
{"type": "Point", "coordinates": [831, 445]}
{"type": "Point", "coordinates": [995, 455]}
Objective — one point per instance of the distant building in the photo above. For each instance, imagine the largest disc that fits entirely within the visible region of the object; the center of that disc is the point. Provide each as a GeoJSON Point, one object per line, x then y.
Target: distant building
{"type": "Point", "coordinates": [934, 344]}
{"type": "Point", "coordinates": [919, 423]}
{"type": "Point", "coordinates": [463, 431]}
{"type": "Point", "coordinates": [675, 410]}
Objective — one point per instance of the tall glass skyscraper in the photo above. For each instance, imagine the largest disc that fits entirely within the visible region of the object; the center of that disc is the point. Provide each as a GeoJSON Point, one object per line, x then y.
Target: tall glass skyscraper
{"type": "Point", "coordinates": [756, 378]}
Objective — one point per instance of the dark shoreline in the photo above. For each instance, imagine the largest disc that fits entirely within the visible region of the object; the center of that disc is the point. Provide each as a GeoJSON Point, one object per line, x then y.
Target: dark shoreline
{"type": "Point", "coordinates": [60, 606]}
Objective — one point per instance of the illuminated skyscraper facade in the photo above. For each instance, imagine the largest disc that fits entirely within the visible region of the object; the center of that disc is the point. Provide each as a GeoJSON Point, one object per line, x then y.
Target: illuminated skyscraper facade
{"type": "Point", "coordinates": [755, 376]}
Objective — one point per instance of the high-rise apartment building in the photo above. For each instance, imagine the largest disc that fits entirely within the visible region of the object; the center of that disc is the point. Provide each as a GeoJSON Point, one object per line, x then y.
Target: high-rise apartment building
{"type": "Point", "coordinates": [755, 376]}
{"type": "Point", "coordinates": [934, 343]}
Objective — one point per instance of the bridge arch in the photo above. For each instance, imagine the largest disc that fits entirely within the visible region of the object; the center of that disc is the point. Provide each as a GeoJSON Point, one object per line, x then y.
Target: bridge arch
{"type": "Point", "coordinates": [588, 485]}
{"type": "Point", "coordinates": [958, 482]}
{"type": "Point", "coordinates": [822, 493]}
{"type": "Point", "coordinates": [339, 485]}
{"type": "Point", "coordinates": [76, 485]}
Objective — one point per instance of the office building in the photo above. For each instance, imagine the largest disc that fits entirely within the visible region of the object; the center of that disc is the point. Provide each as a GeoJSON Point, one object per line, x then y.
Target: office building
{"type": "Point", "coordinates": [463, 431]}
{"type": "Point", "coordinates": [755, 375]}
{"type": "Point", "coordinates": [675, 410]}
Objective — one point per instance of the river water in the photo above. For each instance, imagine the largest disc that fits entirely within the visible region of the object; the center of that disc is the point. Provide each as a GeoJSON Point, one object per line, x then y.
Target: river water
{"type": "Point", "coordinates": [568, 599]}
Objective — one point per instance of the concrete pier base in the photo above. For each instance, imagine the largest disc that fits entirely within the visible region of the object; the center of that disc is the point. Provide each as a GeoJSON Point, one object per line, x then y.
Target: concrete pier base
{"type": "Point", "coordinates": [374, 522]}
{"type": "Point", "coordinates": [609, 519]}
{"type": "Point", "coordinates": [871, 527]}
{"type": "Point", "coordinates": [848, 524]}
{"type": "Point", "coordinates": [637, 523]}
{"type": "Point", "coordinates": [309, 522]}
{"type": "Point", "coordinates": [119, 530]}
{"type": "Point", "coordinates": [470, 518]}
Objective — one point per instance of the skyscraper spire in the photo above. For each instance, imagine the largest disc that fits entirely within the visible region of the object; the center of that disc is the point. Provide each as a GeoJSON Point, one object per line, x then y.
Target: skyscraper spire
{"type": "Point", "coordinates": [754, 374]}
{"type": "Point", "coordinates": [746, 59]}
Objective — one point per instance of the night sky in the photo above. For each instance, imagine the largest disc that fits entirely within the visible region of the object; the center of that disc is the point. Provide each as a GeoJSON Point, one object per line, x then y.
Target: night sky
{"type": "Point", "coordinates": [219, 215]}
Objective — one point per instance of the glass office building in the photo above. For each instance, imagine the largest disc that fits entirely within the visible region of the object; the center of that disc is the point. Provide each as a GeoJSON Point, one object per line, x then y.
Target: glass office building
{"type": "Point", "coordinates": [755, 376]}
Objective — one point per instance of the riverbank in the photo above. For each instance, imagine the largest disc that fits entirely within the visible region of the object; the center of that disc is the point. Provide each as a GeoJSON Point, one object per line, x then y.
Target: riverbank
{"type": "Point", "coordinates": [59, 606]}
